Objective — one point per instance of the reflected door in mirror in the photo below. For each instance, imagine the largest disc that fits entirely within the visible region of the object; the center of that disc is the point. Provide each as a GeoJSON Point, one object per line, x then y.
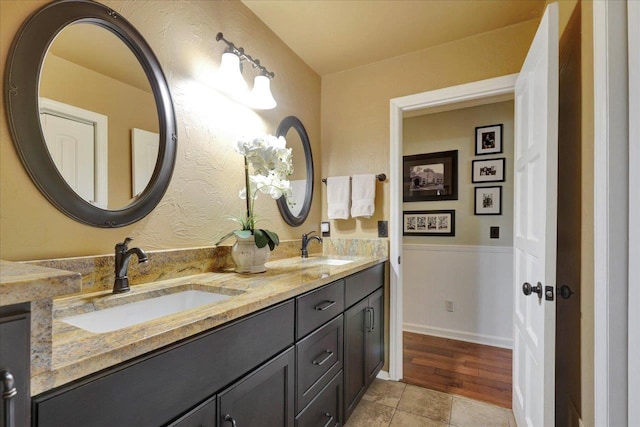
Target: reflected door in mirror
{"type": "Point", "coordinates": [111, 83]}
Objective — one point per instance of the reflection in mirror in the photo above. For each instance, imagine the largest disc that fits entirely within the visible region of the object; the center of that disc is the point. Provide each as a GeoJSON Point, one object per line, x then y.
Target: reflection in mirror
{"type": "Point", "coordinates": [295, 209]}
{"type": "Point", "coordinates": [98, 115]}
{"type": "Point", "coordinates": [298, 179]}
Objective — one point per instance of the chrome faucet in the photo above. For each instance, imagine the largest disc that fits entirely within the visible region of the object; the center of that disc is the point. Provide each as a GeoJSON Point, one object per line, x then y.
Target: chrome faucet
{"type": "Point", "coordinates": [123, 256]}
{"type": "Point", "coordinates": [306, 238]}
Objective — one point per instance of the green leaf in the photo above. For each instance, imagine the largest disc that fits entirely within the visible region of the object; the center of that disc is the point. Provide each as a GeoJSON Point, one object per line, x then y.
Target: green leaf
{"type": "Point", "coordinates": [225, 237]}
{"type": "Point", "coordinates": [261, 238]}
{"type": "Point", "coordinates": [273, 238]}
{"type": "Point", "coordinates": [243, 234]}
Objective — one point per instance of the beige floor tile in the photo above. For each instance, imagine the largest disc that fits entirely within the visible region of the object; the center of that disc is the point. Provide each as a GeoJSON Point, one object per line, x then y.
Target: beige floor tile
{"type": "Point", "coordinates": [385, 392]}
{"type": "Point", "coordinates": [512, 419]}
{"type": "Point", "coordinates": [407, 419]}
{"type": "Point", "coordinates": [370, 414]}
{"type": "Point", "coordinates": [426, 403]}
{"type": "Point", "coordinates": [472, 413]}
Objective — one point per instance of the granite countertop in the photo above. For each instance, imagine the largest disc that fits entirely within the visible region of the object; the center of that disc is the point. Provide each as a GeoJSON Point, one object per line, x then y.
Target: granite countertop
{"type": "Point", "coordinates": [77, 352]}
{"type": "Point", "coordinates": [26, 282]}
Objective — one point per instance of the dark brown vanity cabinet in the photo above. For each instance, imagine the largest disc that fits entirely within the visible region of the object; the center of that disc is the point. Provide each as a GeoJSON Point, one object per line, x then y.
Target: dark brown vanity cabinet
{"type": "Point", "coordinates": [15, 359]}
{"type": "Point", "coordinates": [363, 335]}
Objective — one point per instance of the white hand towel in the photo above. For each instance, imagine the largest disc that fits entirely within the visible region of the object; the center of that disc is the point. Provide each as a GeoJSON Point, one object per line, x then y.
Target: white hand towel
{"type": "Point", "coordinates": [363, 195]}
{"type": "Point", "coordinates": [338, 194]}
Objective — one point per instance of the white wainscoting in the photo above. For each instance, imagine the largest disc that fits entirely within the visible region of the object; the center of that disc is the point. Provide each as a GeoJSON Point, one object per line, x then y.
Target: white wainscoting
{"type": "Point", "coordinates": [478, 281]}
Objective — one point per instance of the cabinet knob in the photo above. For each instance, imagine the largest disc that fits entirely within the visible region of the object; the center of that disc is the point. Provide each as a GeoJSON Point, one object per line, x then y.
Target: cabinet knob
{"type": "Point", "coordinates": [8, 392]}
{"type": "Point", "coordinates": [230, 419]}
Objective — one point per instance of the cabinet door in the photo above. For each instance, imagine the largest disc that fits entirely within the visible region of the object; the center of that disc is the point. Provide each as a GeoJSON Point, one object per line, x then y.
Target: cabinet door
{"type": "Point", "coordinates": [374, 340]}
{"type": "Point", "coordinates": [204, 415]}
{"type": "Point", "coordinates": [15, 359]}
{"type": "Point", "coordinates": [354, 355]}
{"type": "Point", "coordinates": [265, 397]}
{"type": "Point", "coordinates": [325, 410]}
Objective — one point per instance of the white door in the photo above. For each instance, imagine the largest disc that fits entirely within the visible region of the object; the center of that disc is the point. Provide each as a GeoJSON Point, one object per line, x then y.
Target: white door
{"type": "Point", "coordinates": [536, 179]}
{"type": "Point", "coordinates": [71, 145]}
{"type": "Point", "coordinates": [145, 146]}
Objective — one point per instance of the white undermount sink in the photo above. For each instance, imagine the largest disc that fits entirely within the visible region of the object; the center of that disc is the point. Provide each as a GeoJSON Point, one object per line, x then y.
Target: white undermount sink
{"type": "Point", "coordinates": [328, 261]}
{"type": "Point", "coordinates": [132, 313]}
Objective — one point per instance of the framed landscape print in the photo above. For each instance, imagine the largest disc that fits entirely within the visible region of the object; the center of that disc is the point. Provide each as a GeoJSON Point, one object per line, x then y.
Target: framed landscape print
{"type": "Point", "coordinates": [432, 176]}
{"type": "Point", "coordinates": [490, 170]}
{"type": "Point", "coordinates": [488, 140]}
{"type": "Point", "coordinates": [488, 200]}
{"type": "Point", "coordinates": [429, 223]}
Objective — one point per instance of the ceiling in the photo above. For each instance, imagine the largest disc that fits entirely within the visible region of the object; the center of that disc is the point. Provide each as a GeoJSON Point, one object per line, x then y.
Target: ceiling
{"type": "Point", "coordinates": [336, 35]}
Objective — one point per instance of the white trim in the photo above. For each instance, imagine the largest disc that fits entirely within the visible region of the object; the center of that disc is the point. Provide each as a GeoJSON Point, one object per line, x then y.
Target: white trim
{"type": "Point", "coordinates": [454, 248]}
{"type": "Point", "coordinates": [100, 125]}
{"type": "Point", "coordinates": [459, 335]}
{"type": "Point", "coordinates": [633, 26]}
{"type": "Point", "coordinates": [383, 375]}
{"type": "Point", "coordinates": [611, 179]}
{"type": "Point", "coordinates": [483, 89]}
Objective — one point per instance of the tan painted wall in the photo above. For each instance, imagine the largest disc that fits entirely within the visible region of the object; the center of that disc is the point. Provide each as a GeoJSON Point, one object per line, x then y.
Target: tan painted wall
{"type": "Point", "coordinates": [66, 82]}
{"type": "Point", "coordinates": [455, 130]}
{"type": "Point", "coordinates": [208, 173]}
{"type": "Point", "coordinates": [355, 104]}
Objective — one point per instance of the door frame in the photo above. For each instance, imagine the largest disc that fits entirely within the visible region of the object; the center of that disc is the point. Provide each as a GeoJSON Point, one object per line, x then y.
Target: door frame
{"type": "Point", "coordinates": [461, 96]}
{"type": "Point", "coordinates": [615, 216]}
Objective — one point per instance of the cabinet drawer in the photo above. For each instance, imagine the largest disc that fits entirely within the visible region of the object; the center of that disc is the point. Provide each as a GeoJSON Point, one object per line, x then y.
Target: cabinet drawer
{"type": "Point", "coordinates": [361, 284]}
{"type": "Point", "coordinates": [317, 307]}
{"type": "Point", "coordinates": [203, 415]}
{"type": "Point", "coordinates": [325, 410]}
{"type": "Point", "coordinates": [318, 359]}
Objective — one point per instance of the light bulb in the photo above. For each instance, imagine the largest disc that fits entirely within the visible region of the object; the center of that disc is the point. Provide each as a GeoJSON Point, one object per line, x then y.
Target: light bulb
{"type": "Point", "coordinates": [261, 97]}
{"type": "Point", "coordinates": [229, 79]}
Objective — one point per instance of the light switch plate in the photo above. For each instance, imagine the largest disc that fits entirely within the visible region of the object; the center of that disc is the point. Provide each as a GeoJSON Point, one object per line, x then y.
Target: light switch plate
{"type": "Point", "coordinates": [325, 228]}
{"type": "Point", "coordinates": [494, 232]}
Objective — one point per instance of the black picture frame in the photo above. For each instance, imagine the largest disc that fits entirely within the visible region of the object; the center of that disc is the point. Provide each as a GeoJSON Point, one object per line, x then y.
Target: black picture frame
{"type": "Point", "coordinates": [488, 139]}
{"type": "Point", "coordinates": [488, 170]}
{"type": "Point", "coordinates": [430, 176]}
{"type": "Point", "coordinates": [488, 200]}
{"type": "Point", "coordinates": [429, 223]}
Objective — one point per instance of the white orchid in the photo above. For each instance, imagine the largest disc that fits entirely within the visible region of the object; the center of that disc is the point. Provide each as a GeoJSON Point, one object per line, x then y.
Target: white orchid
{"type": "Point", "coordinates": [268, 165]}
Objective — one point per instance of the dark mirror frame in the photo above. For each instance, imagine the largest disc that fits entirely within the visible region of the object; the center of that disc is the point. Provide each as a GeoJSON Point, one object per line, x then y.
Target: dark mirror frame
{"type": "Point", "coordinates": [284, 126]}
{"type": "Point", "coordinates": [22, 76]}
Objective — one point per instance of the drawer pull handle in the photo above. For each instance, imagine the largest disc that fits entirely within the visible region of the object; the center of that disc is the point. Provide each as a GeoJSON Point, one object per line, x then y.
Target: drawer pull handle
{"type": "Point", "coordinates": [8, 392]}
{"type": "Point", "coordinates": [329, 355]}
{"type": "Point", "coordinates": [325, 305]}
{"type": "Point", "coordinates": [372, 319]}
{"type": "Point", "coordinates": [326, 414]}
{"type": "Point", "coordinates": [230, 419]}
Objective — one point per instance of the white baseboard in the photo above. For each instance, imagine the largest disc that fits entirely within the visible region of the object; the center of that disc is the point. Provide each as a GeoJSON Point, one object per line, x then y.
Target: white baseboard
{"type": "Point", "coordinates": [459, 335]}
{"type": "Point", "coordinates": [383, 375]}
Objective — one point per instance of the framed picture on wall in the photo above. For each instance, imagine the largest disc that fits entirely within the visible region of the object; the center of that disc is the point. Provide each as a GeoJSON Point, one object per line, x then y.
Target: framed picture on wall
{"type": "Point", "coordinates": [490, 170]}
{"type": "Point", "coordinates": [488, 139]}
{"type": "Point", "coordinates": [429, 223]}
{"type": "Point", "coordinates": [431, 176]}
{"type": "Point", "coordinates": [488, 200]}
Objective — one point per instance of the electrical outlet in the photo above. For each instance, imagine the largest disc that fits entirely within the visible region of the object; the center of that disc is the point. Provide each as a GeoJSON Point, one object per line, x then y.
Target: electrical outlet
{"type": "Point", "coordinates": [449, 305]}
{"type": "Point", "coordinates": [383, 229]}
{"type": "Point", "coordinates": [494, 232]}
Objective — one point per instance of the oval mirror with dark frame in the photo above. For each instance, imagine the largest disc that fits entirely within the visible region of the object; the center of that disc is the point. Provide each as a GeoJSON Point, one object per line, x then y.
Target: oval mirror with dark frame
{"type": "Point", "coordinates": [27, 101]}
{"type": "Point", "coordinates": [295, 210]}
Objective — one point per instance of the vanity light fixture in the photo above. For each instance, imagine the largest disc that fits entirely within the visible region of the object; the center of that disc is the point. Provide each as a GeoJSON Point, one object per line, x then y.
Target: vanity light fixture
{"type": "Point", "coordinates": [232, 83]}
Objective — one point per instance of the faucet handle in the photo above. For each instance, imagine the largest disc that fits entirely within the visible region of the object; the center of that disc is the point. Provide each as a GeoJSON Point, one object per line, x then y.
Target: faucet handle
{"type": "Point", "coordinates": [125, 243]}
{"type": "Point", "coordinates": [309, 233]}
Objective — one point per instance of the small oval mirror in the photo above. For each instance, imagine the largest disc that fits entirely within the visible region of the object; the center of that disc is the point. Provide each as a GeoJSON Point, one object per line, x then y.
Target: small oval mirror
{"type": "Point", "coordinates": [295, 209]}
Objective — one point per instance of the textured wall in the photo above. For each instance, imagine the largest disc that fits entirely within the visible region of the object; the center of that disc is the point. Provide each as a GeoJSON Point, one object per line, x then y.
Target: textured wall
{"type": "Point", "coordinates": [355, 104]}
{"type": "Point", "coordinates": [208, 173]}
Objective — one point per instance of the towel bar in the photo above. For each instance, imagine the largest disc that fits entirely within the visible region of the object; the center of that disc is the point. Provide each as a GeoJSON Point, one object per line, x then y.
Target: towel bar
{"type": "Point", "coordinates": [380, 177]}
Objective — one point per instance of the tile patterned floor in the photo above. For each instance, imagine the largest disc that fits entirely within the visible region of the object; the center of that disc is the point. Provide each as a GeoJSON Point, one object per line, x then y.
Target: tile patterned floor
{"type": "Point", "coordinates": [396, 404]}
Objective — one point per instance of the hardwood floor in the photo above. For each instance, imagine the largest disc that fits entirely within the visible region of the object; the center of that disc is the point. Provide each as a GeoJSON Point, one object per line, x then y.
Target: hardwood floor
{"type": "Point", "coordinates": [474, 370]}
